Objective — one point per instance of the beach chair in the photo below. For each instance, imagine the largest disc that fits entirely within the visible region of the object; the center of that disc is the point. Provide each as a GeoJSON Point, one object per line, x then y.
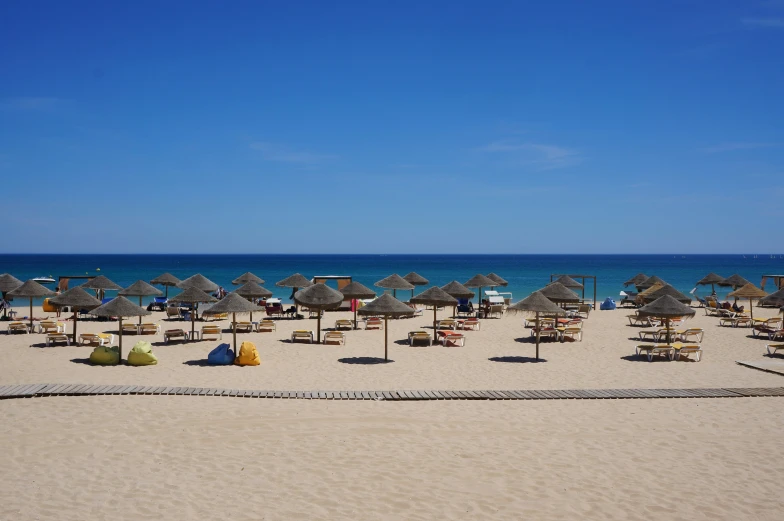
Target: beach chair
{"type": "Point", "coordinates": [546, 332]}
{"type": "Point", "coordinates": [274, 309]}
{"type": "Point", "coordinates": [130, 329]}
{"type": "Point", "coordinates": [446, 323]}
{"type": "Point", "coordinates": [656, 334]}
{"type": "Point", "coordinates": [158, 304]}
{"type": "Point", "coordinates": [583, 310]}
{"type": "Point", "coordinates": [149, 329]}
{"type": "Point", "coordinates": [742, 322]}
{"type": "Point", "coordinates": [334, 338]}
{"type": "Point", "coordinates": [54, 338]}
{"type": "Point", "coordinates": [343, 323]}
{"type": "Point", "coordinates": [575, 333]}
{"type": "Point", "coordinates": [267, 326]}
{"type": "Point", "coordinates": [243, 327]}
{"type": "Point", "coordinates": [775, 335]}
{"type": "Point", "coordinates": [374, 323]}
{"type": "Point", "coordinates": [472, 324]}
{"type": "Point", "coordinates": [174, 334]}
{"type": "Point", "coordinates": [652, 350]}
{"type": "Point", "coordinates": [770, 327]}
{"type": "Point", "coordinates": [420, 336]}
{"type": "Point", "coordinates": [213, 331]}
{"type": "Point", "coordinates": [773, 348]}
{"type": "Point", "coordinates": [452, 338]}
{"type": "Point", "coordinates": [496, 310]}
{"type": "Point", "coordinates": [686, 350]}
{"type": "Point", "coordinates": [173, 312]}
{"type": "Point", "coordinates": [464, 307]}
{"type": "Point", "coordinates": [693, 334]}
{"type": "Point", "coordinates": [51, 327]}
{"type": "Point", "coordinates": [302, 335]}
{"type": "Point", "coordinates": [17, 327]}
{"type": "Point", "coordinates": [102, 339]}
{"type": "Point", "coordinates": [637, 320]}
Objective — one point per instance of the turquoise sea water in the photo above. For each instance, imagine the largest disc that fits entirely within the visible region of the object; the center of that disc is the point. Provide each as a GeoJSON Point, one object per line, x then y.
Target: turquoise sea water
{"type": "Point", "coordinates": [525, 273]}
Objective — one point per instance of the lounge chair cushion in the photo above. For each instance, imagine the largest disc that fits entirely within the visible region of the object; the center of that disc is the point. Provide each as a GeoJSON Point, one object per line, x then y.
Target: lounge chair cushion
{"type": "Point", "coordinates": [105, 355]}
{"type": "Point", "coordinates": [142, 354]}
{"type": "Point", "coordinates": [248, 355]}
{"type": "Point", "coordinates": [221, 355]}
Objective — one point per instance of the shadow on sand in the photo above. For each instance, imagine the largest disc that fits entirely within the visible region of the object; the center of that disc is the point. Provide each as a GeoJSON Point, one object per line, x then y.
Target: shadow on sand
{"type": "Point", "coordinates": [517, 359]}
{"type": "Point", "coordinates": [364, 360]}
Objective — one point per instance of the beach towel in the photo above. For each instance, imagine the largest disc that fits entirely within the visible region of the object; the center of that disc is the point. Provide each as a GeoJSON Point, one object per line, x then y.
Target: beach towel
{"type": "Point", "coordinates": [141, 354]}
{"type": "Point", "coordinates": [221, 355]}
{"type": "Point", "coordinates": [608, 304]}
{"type": "Point", "coordinates": [105, 355]}
{"type": "Point", "coordinates": [248, 355]}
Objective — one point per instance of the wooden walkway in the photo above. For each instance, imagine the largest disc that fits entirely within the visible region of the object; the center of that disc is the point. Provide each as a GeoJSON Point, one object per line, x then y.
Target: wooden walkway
{"type": "Point", "coordinates": [42, 390]}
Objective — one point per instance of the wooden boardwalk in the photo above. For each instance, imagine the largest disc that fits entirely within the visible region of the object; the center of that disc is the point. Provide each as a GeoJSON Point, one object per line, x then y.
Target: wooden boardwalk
{"type": "Point", "coordinates": [42, 390]}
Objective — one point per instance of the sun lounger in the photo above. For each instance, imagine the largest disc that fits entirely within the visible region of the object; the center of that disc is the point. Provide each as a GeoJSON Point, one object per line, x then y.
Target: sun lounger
{"type": "Point", "coordinates": [584, 310]}
{"type": "Point", "coordinates": [51, 327]}
{"type": "Point", "coordinates": [452, 338]}
{"type": "Point", "coordinates": [655, 334]}
{"type": "Point", "coordinates": [652, 350]}
{"type": "Point", "coordinates": [446, 324]}
{"type": "Point", "coordinates": [173, 312]}
{"type": "Point", "coordinates": [636, 320]}
{"type": "Point", "coordinates": [17, 327]}
{"type": "Point", "coordinates": [102, 339]}
{"type": "Point", "coordinates": [693, 334]}
{"type": "Point", "coordinates": [374, 323]}
{"type": "Point", "coordinates": [575, 333]}
{"type": "Point", "coordinates": [245, 327]}
{"type": "Point", "coordinates": [546, 332]}
{"type": "Point", "coordinates": [773, 348]}
{"type": "Point", "coordinates": [149, 329]}
{"type": "Point", "coordinates": [343, 323]}
{"type": "Point", "coordinates": [53, 338]}
{"type": "Point", "coordinates": [214, 331]}
{"type": "Point", "coordinates": [687, 349]}
{"type": "Point", "coordinates": [335, 338]}
{"type": "Point", "coordinates": [776, 335]}
{"type": "Point", "coordinates": [470, 323]}
{"type": "Point", "coordinates": [173, 334]}
{"type": "Point", "coordinates": [302, 335]}
{"type": "Point", "coordinates": [267, 326]}
{"type": "Point", "coordinates": [420, 336]}
{"type": "Point", "coordinates": [496, 310]}
{"type": "Point", "coordinates": [316, 313]}
{"type": "Point", "coordinates": [130, 329]}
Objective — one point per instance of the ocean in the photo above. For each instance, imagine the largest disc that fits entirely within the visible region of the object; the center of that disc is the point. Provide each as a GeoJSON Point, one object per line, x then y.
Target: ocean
{"type": "Point", "coordinates": [525, 273]}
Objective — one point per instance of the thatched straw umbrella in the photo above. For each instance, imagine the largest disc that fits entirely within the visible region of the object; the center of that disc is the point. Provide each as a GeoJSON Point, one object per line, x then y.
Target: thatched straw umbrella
{"type": "Point", "coordinates": [234, 303]}
{"type": "Point", "coordinates": [355, 290]}
{"type": "Point", "coordinates": [193, 296]}
{"type": "Point", "coordinates": [666, 308]}
{"type": "Point", "coordinates": [247, 277]}
{"type": "Point", "coordinates": [499, 280]}
{"type": "Point", "coordinates": [479, 281]}
{"type": "Point", "coordinates": [388, 306]}
{"type": "Point", "coordinates": [251, 290]}
{"type": "Point", "coordinates": [101, 285]}
{"type": "Point", "coordinates": [749, 291]}
{"type": "Point", "coordinates": [637, 279]}
{"type": "Point", "coordinates": [76, 298]}
{"type": "Point", "coordinates": [166, 279]}
{"type": "Point", "coordinates": [712, 279]}
{"type": "Point", "coordinates": [295, 282]}
{"type": "Point", "coordinates": [394, 282]}
{"type": "Point", "coordinates": [650, 281]}
{"type": "Point", "coordinates": [416, 279]}
{"type": "Point", "coordinates": [658, 292]}
{"type": "Point", "coordinates": [734, 281]}
{"type": "Point", "coordinates": [558, 293]}
{"type": "Point", "coordinates": [319, 297]}
{"type": "Point", "coordinates": [435, 297]}
{"type": "Point", "coordinates": [537, 303]}
{"type": "Point", "coordinates": [640, 299]}
{"type": "Point", "coordinates": [774, 299]}
{"type": "Point", "coordinates": [139, 289]}
{"type": "Point", "coordinates": [120, 307]}
{"type": "Point", "coordinates": [8, 283]}
{"type": "Point", "coordinates": [458, 291]}
{"type": "Point", "coordinates": [568, 282]}
{"type": "Point", "coordinates": [199, 282]}
{"type": "Point", "coordinates": [31, 289]}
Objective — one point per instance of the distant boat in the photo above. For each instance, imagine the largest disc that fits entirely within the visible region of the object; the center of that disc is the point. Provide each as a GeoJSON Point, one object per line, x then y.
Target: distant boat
{"type": "Point", "coordinates": [44, 280]}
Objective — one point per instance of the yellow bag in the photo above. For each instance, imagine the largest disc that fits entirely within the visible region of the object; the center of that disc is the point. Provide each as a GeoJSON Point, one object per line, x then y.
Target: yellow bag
{"type": "Point", "coordinates": [105, 355]}
{"type": "Point", "coordinates": [248, 355]}
{"type": "Point", "coordinates": [141, 354]}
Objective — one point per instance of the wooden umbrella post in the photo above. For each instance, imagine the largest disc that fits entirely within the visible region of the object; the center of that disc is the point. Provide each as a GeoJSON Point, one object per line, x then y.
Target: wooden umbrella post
{"type": "Point", "coordinates": [435, 320]}
{"type": "Point", "coordinates": [31, 316]}
{"type": "Point", "coordinates": [140, 305]}
{"type": "Point", "coordinates": [667, 328]}
{"type": "Point", "coordinates": [193, 320]}
{"type": "Point", "coordinates": [386, 336]}
{"type": "Point", "coordinates": [76, 319]}
{"type": "Point", "coordinates": [538, 329]}
{"type": "Point", "coordinates": [119, 323]}
{"type": "Point", "coordinates": [234, 331]}
{"type": "Point", "coordinates": [318, 327]}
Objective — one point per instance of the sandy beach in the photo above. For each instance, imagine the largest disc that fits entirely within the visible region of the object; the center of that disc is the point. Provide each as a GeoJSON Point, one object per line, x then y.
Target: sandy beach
{"type": "Point", "coordinates": [152, 457]}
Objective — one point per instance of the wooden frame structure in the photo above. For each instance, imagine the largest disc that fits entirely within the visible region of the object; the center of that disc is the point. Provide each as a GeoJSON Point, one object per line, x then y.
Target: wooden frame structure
{"type": "Point", "coordinates": [582, 279]}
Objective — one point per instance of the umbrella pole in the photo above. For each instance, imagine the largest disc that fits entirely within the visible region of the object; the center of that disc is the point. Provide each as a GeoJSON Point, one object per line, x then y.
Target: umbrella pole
{"type": "Point", "coordinates": [667, 328]}
{"type": "Point", "coordinates": [318, 327]}
{"type": "Point", "coordinates": [386, 336]}
{"type": "Point", "coordinates": [119, 323]}
{"type": "Point", "coordinates": [435, 321]}
{"type": "Point", "coordinates": [193, 323]}
{"type": "Point", "coordinates": [76, 319]}
{"type": "Point", "coordinates": [31, 315]}
{"type": "Point", "coordinates": [234, 330]}
{"type": "Point", "coordinates": [751, 310]}
{"type": "Point", "coordinates": [538, 329]}
{"type": "Point", "coordinates": [356, 305]}
{"type": "Point", "coordinates": [140, 305]}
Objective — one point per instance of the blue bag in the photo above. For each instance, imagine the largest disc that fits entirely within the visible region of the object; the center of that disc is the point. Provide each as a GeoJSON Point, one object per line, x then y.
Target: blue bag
{"type": "Point", "coordinates": [221, 355]}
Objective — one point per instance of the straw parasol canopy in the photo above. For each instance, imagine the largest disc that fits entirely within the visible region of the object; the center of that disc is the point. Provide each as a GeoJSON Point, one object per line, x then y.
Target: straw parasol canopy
{"type": "Point", "coordinates": [101, 283]}
{"type": "Point", "coordinates": [77, 298]}
{"type": "Point", "coordinates": [140, 289]}
{"type": "Point", "coordinates": [637, 279]}
{"type": "Point", "coordinates": [394, 282]}
{"type": "Point", "coordinates": [644, 293]}
{"type": "Point", "coordinates": [568, 282]}
{"type": "Point", "coordinates": [388, 306]}
{"type": "Point", "coordinates": [247, 277]}
{"type": "Point", "coordinates": [650, 281]}
{"type": "Point", "coordinates": [355, 290]}
{"type": "Point", "coordinates": [416, 279]}
{"type": "Point", "coordinates": [734, 281]}
{"type": "Point", "coordinates": [199, 282]}
{"type": "Point", "coordinates": [167, 279]}
{"type": "Point", "coordinates": [234, 303]}
{"type": "Point", "coordinates": [499, 280]}
{"type": "Point", "coordinates": [559, 293]}
{"type": "Point", "coordinates": [666, 307]}
{"type": "Point", "coordinates": [665, 290]}
{"type": "Point", "coordinates": [457, 290]}
{"type": "Point", "coordinates": [537, 303]}
{"type": "Point", "coordinates": [296, 282]}
{"type": "Point", "coordinates": [435, 297]}
{"type": "Point", "coordinates": [120, 307]}
{"type": "Point", "coordinates": [319, 297]}
{"type": "Point", "coordinates": [751, 292]}
{"type": "Point", "coordinates": [30, 289]}
{"type": "Point", "coordinates": [251, 290]}
{"type": "Point", "coordinates": [774, 299]}
{"type": "Point", "coordinates": [8, 283]}
{"type": "Point", "coordinates": [479, 281]}
{"type": "Point", "coordinates": [193, 295]}
{"type": "Point", "coordinates": [712, 279]}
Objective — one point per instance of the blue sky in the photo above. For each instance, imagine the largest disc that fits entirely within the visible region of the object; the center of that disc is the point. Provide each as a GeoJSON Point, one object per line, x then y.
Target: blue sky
{"type": "Point", "coordinates": [369, 127]}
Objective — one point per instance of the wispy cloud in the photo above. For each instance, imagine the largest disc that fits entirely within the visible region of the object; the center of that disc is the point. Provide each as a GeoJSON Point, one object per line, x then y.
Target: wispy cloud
{"type": "Point", "coordinates": [729, 147]}
{"type": "Point", "coordinates": [286, 154]}
{"type": "Point", "coordinates": [544, 156]}
{"type": "Point", "coordinates": [30, 103]}
{"type": "Point", "coordinates": [764, 22]}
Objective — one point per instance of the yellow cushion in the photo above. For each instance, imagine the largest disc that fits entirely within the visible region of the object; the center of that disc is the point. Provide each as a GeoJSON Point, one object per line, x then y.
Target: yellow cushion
{"type": "Point", "coordinates": [248, 355]}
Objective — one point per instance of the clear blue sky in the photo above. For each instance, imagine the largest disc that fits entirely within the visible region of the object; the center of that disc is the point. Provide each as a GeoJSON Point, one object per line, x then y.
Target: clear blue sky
{"type": "Point", "coordinates": [465, 127]}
